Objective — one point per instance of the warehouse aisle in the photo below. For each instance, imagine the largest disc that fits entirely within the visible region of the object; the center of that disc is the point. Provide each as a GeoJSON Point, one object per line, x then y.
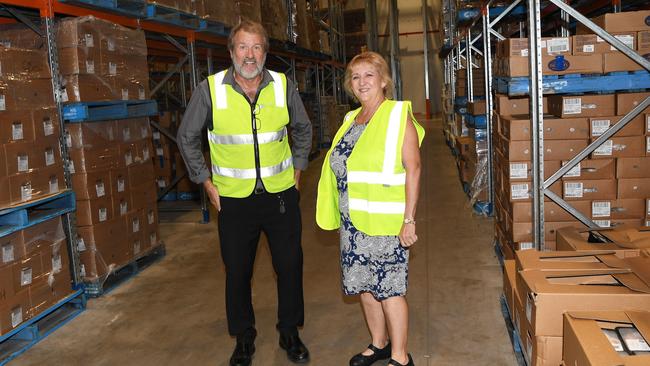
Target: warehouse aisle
{"type": "Point", "coordinates": [173, 313]}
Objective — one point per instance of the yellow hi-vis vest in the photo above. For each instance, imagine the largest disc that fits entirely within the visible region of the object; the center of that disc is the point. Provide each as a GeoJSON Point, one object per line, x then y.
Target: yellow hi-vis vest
{"type": "Point", "coordinates": [239, 129]}
{"type": "Point", "coordinates": [376, 177]}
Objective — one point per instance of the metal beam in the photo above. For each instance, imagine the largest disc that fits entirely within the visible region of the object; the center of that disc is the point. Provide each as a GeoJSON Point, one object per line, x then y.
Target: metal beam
{"type": "Point", "coordinates": [394, 49]}
{"type": "Point", "coordinates": [372, 38]}
{"type": "Point", "coordinates": [505, 13]}
{"type": "Point", "coordinates": [175, 43]}
{"type": "Point", "coordinates": [487, 72]}
{"type": "Point", "coordinates": [171, 73]}
{"type": "Point", "coordinates": [425, 46]}
{"type": "Point", "coordinates": [570, 209]}
{"type": "Point", "coordinates": [537, 119]}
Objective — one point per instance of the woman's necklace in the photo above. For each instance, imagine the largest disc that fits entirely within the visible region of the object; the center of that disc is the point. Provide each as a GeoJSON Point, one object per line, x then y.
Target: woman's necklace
{"type": "Point", "coordinates": [364, 117]}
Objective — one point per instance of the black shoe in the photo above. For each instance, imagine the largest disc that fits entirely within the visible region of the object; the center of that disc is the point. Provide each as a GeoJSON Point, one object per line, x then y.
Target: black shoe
{"type": "Point", "coordinates": [243, 353]}
{"type": "Point", "coordinates": [379, 354]}
{"type": "Point", "coordinates": [296, 350]}
{"type": "Point", "coordinates": [395, 363]}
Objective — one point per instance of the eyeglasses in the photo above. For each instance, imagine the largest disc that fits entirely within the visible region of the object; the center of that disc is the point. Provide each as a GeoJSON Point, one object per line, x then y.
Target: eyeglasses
{"type": "Point", "coordinates": [257, 123]}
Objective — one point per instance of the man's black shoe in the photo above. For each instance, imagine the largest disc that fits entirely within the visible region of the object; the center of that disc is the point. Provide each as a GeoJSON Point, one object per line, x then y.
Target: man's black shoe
{"type": "Point", "coordinates": [243, 353]}
{"type": "Point", "coordinates": [296, 350]}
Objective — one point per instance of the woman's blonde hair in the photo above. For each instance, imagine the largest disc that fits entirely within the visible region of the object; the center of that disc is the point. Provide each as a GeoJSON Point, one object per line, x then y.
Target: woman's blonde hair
{"type": "Point", "coordinates": [376, 60]}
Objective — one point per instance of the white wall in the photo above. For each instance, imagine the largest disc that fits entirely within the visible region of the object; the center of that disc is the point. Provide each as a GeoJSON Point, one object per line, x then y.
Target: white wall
{"type": "Point", "coordinates": [412, 48]}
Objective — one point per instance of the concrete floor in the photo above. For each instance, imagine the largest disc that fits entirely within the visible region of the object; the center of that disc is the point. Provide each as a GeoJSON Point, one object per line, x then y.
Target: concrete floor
{"type": "Point", "coordinates": [173, 312]}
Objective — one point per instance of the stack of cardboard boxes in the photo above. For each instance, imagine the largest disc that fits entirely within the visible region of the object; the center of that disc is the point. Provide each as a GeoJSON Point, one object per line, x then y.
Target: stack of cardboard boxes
{"type": "Point", "coordinates": [230, 13]}
{"type": "Point", "coordinates": [102, 61]}
{"type": "Point", "coordinates": [168, 163]}
{"type": "Point", "coordinates": [275, 18]}
{"type": "Point", "coordinates": [611, 186]}
{"type": "Point", "coordinates": [34, 272]}
{"type": "Point", "coordinates": [30, 157]}
{"type": "Point", "coordinates": [551, 297]}
{"type": "Point", "coordinates": [113, 178]}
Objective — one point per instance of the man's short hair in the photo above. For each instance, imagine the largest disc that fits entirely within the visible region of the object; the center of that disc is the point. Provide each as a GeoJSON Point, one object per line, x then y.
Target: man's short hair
{"type": "Point", "coordinates": [248, 26]}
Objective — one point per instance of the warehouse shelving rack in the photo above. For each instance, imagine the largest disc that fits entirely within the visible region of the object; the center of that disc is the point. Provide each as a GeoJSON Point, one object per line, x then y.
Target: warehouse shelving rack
{"type": "Point", "coordinates": [455, 51]}
{"type": "Point", "coordinates": [192, 42]}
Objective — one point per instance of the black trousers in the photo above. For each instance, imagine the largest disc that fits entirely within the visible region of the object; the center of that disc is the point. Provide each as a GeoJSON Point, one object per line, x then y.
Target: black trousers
{"type": "Point", "coordinates": [241, 220]}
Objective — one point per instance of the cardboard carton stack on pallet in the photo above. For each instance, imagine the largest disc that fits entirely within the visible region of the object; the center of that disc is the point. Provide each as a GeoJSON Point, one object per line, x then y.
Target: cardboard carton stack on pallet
{"type": "Point", "coordinates": [102, 61]}
{"type": "Point", "coordinates": [611, 186]}
{"type": "Point", "coordinates": [30, 160]}
{"type": "Point", "coordinates": [113, 178]}
{"type": "Point", "coordinates": [275, 18]}
{"type": "Point", "coordinates": [34, 272]}
{"type": "Point", "coordinates": [110, 161]}
{"type": "Point", "coordinates": [558, 300]}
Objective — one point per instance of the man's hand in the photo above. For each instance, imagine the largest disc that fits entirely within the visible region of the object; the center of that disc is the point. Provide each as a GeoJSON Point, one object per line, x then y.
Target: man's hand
{"type": "Point", "coordinates": [213, 194]}
{"type": "Point", "coordinates": [296, 177]}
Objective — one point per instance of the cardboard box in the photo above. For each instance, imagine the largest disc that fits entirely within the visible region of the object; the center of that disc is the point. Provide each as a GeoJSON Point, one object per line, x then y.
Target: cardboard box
{"type": "Point", "coordinates": [51, 180]}
{"type": "Point", "coordinates": [16, 127]}
{"type": "Point", "coordinates": [517, 66]}
{"type": "Point", "coordinates": [553, 149]}
{"type": "Point", "coordinates": [522, 170]}
{"type": "Point", "coordinates": [119, 181]}
{"type": "Point", "coordinates": [540, 350]}
{"type": "Point", "coordinates": [24, 187]}
{"type": "Point", "coordinates": [621, 147]}
{"type": "Point", "coordinates": [563, 260]}
{"type": "Point", "coordinates": [476, 107]}
{"type": "Point", "coordinates": [625, 239]}
{"type": "Point", "coordinates": [617, 62]}
{"type": "Point", "coordinates": [79, 60]}
{"type": "Point", "coordinates": [625, 209]}
{"type": "Point", "coordinates": [633, 167]}
{"type": "Point", "coordinates": [90, 186]}
{"type": "Point", "coordinates": [142, 195]}
{"type": "Point", "coordinates": [595, 189]}
{"type": "Point", "coordinates": [25, 95]}
{"type": "Point", "coordinates": [522, 232]}
{"type": "Point", "coordinates": [21, 157]}
{"type": "Point", "coordinates": [522, 191]}
{"type": "Point", "coordinates": [587, 338]}
{"type": "Point", "coordinates": [587, 44]}
{"type": "Point", "coordinates": [634, 188]}
{"type": "Point", "coordinates": [90, 212]}
{"type": "Point", "coordinates": [625, 102]}
{"type": "Point", "coordinates": [629, 21]}
{"type": "Point", "coordinates": [44, 234]}
{"type": "Point", "coordinates": [140, 174]}
{"type": "Point", "coordinates": [128, 154]}
{"type": "Point", "coordinates": [592, 169]}
{"type": "Point", "coordinates": [91, 88]}
{"type": "Point", "coordinates": [598, 126]}
{"type": "Point", "coordinates": [12, 246]}
{"type": "Point", "coordinates": [121, 203]}
{"type": "Point", "coordinates": [519, 46]}
{"type": "Point", "coordinates": [104, 251]}
{"type": "Point", "coordinates": [506, 106]}
{"type": "Point", "coordinates": [509, 284]}
{"type": "Point", "coordinates": [547, 294]}
{"type": "Point", "coordinates": [82, 160]}
{"type": "Point", "coordinates": [26, 271]}
{"type": "Point", "coordinates": [14, 311]}
{"type": "Point", "coordinates": [582, 106]}
{"type": "Point", "coordinates": [91, 136]}
{"type": "Point", "coordinates": [518, 127]}
{"type": "Point", "coordinates": [643, 43]}
{"type": "Point", "coordinates": [523, 211]}
{"type": "Point", "coordinates": [46, 123]}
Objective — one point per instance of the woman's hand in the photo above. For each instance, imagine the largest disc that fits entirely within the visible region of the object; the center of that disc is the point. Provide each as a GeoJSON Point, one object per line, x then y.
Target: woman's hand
{"type": "Point", "coordinates": [407, 235]}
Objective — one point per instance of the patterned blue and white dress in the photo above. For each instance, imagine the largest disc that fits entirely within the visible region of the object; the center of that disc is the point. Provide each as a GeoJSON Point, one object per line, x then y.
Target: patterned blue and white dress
{"type": "Point", "coordinates": [374, 264]}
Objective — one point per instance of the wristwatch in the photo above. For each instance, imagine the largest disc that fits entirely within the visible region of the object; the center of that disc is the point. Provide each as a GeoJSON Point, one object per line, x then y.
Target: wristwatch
{"type": "Point", "coordinates": [409, 221]}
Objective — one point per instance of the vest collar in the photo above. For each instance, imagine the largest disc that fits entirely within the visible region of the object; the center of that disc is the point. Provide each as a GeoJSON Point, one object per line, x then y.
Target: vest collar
{"type": "Point", "coordinates": [229, 79]}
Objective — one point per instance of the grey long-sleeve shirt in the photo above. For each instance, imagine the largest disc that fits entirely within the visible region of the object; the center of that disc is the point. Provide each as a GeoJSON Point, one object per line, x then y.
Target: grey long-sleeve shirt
{"type": "Point", "coordinates": [198, 115]}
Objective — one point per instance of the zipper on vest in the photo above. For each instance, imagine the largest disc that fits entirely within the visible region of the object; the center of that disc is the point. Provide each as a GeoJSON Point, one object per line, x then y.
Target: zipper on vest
{"type": "Point", "coordinates": [256, 146]}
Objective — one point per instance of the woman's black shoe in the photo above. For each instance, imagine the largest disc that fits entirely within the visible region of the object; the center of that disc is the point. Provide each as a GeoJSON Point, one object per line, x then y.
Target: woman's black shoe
{"type": "Point", "coordinates": [379, 354]}
{"type": "Point", "coordinates": [395, 363]}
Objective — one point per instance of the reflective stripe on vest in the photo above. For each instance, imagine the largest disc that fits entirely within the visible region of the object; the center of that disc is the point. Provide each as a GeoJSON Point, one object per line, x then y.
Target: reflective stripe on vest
{"type": "Point", "coordinates": [377, 207]}
{"type": "Point", "coordinates": [220, 91]}
{"type": "Point", "coordinates": [262, 138]}
{"type": "Point", "coordinates": [387, 176]}
{"type": "Point", "coordinates": [251, 173]}
{"type": "Point", "coordinates": [278, 90]}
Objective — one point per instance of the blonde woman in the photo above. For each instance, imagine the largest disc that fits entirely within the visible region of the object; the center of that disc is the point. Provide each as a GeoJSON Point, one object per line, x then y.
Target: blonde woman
{"type": "Point", "coordinates": [368, 189]}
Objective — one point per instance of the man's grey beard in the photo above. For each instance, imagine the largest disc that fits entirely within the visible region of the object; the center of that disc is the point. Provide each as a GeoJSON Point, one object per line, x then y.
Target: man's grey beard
{"type": "Point", "coordinates": [249, 75]}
